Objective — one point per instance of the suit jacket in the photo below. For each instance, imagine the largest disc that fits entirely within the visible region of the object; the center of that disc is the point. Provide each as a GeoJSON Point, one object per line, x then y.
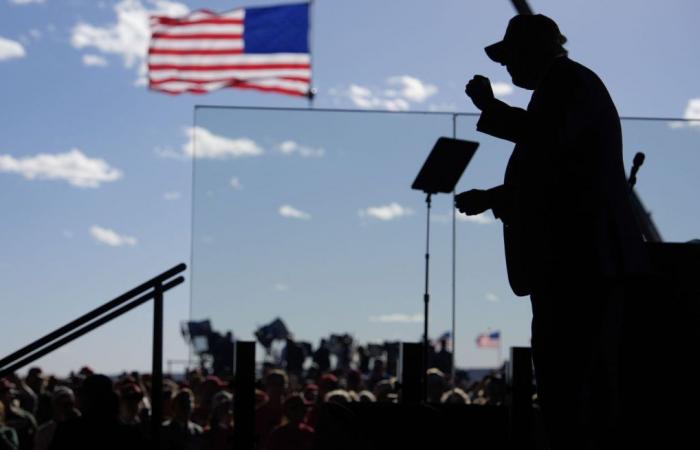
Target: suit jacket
{"type": "Point", "coordinates": [565, 202]}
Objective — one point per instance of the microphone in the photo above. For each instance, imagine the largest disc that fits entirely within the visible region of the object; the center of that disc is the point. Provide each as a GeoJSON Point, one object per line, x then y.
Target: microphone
{"type": "Point", "coordinates": [636, 164]}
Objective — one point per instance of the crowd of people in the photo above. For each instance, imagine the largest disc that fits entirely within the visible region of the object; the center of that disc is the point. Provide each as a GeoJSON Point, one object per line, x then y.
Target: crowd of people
{"type": "Point", "coordinates": [89, 410]}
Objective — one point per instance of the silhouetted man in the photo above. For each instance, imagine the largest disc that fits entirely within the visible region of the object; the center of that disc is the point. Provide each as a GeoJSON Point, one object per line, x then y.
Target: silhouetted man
{"type": "Point", "coordinates": [570, 236]}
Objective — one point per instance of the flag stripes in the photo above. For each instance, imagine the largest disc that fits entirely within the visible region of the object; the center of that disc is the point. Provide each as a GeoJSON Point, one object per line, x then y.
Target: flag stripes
{"type": "Point", "coordinates": [205, 51]}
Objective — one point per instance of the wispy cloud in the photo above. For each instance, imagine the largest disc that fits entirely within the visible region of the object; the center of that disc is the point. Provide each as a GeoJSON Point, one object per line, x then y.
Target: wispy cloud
{"type": "Point", "coordinates": [235, 183]}
{"type": "Point", "coordinates": [490, 296]}
{"type": "Point", "coordinates": [26, 2]}
{"type": "Point", "coordinates": [692, 112]}
{"type": "Point", "coordinates": [291, 212]}
{"type": "Point", "coordinates": [172, 196]}
{"type": "Point", "coordinates": [410, 88]}
{"type": "Point", "coordinates": [73, 167]}
{"type": "Point", "coordinates": [10, 49]}
{"type": "Point", "coordinates": [501, 88]}
{"type": "Point", "coordinates": [280, 287]}
{"type": "Point", "coordinates": [399, 93]}
{"type": "Point", "coordinates": [479, 219]}
{"type": "Point", "coordinates": [94, 61]}
{"type": "Point", "coordinates": [386, 212]}
{"type": "Point", "coordinates": [397, 318]}
{"type": "Point", "coordinates": [129, 36]}
{"type": "Point", "coordinates": [290, 148]}
{"type": "Point", "coordinates": [111, 237]}
{"type": "Point", "coordinates": [202, 143]}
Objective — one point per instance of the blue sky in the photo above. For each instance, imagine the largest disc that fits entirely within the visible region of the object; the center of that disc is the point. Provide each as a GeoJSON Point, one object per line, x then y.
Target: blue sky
{"type": "Point", "coordinates": [95, 180]}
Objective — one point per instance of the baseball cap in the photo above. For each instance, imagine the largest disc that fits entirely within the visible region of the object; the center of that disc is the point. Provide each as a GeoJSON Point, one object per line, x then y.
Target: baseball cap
{"type": "Point", "coordinates": [526, 31]}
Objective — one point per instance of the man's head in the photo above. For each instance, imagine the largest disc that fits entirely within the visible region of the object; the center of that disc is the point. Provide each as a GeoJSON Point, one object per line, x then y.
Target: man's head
{"type": "Point", "coordinates": [530, 43]}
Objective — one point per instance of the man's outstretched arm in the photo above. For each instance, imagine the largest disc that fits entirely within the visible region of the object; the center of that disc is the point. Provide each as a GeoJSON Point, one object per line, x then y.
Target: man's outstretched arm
{"type": "Point", "coordinates": [497, 119]}
{"type": "Point", "coordinates": [477, 201]}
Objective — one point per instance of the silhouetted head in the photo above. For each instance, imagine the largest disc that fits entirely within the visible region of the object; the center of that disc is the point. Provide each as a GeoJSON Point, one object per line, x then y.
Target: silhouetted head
{"type": "Point", "coordinates": [183, 404]}
{"type": "Point", "coordinates": [97, 397]}
{"type": "Point", "coordinates": [295, 409]}
{"type": "Point", "coordinates": [528, 47]}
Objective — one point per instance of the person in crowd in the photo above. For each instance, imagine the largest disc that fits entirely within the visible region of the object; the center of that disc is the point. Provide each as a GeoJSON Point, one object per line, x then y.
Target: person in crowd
{"type": "Point", "coordinates": [98, 426]}
{"type": "Point", "coordinates": [378, 373]}
{"type": "Point", "coordinates": [354, 381]}
{"type": "Point", "coordinates": [8, 436]}
{"type": "Point", "coordinates": [322, 357]}
{"type": "Point", "coordinates": [63, 408]}
{"type": "Point", "coordinates": [443, 359]}
{"type": "Point", "coordinates": [130, 404]}
{"type": "Point", "coordinates": [269, 415]}
{"type": "Point", "coordinates": [366, 397]}
{"type": "Point", "coordinates": [437, 384]}
{"type": "Point", "coordinates": [16, 417]}
{"type": "Point", "coordinates": [180, 433]}
{"type": "Point", "coordinates": [219, 433]}
{"type": "Point", "coordinates": [455, 396]}
{"type": "Point", "coordinates": [293, 434]}
{"type": "Point", "coordinates": [385, 391]}
{"type": "Point", "coordinates": [363, 359]}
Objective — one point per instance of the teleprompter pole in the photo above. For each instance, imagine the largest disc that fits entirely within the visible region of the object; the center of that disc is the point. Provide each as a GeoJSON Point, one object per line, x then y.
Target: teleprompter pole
{"type": "Point", "coordinates": [426, 301]}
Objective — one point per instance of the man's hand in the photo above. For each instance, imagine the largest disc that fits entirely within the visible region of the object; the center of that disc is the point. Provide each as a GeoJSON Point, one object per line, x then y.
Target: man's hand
{"type": "Point", "coordinates": [473, 202]}
{"type": "Point", "coordinates": [479, 90]}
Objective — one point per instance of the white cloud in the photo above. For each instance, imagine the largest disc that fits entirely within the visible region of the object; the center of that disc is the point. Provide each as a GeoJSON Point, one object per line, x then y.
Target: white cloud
{"type": "Point", "coordinates": [111, 237]}
{"type": "Point", "coordinates": [35, 33]}
{"type": "Point", "coordinates": [692, 112]}
{"type": "Point", "coordinates": [293, 213]}
{"type": "Point", "coordinates": [94, 60]}
{"type": "Point", "coordinates": [130, 35]}
{"type": "Point", "coordinates": [213, 146]}
{"type": "Point", "coordinates": [480, 219]}
{"type": "Point", "coordinates": [172, 195]}
{"type": "Point", "coordinates": [26, 2]}
{"type": "Point", "coordinates": [235, 183]}
{"type": "Point", "coordinates": [293, 148]}
{"type": "Point", "coordinates": [10, 49]}
{"type": "Point", "coordinates": [501, 89]}
{"type": "Point", "coordinates": [410, 88]}
{"type": "Point", "coordinates": [72, 166]}
{"type": "Point", "coordinates": [387, 212]}
{"type": "Point", "coordinates": [397, 318]}
{"type": "Point", "coordinates": [398, 95]}
{"type": "Point", "coordinates": [280, 287]}
{"type": "Point", "coordinates": [490, 296]}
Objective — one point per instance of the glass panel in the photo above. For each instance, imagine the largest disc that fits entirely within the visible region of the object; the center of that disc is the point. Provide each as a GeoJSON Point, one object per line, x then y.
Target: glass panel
{"type": "Point", "coordinates": [309, 216]}
{"type": "Point", "coordinates": [668, 182]}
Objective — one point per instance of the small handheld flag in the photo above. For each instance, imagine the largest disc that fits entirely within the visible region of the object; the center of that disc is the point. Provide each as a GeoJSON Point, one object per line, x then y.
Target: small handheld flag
{"type": "Point", "coordinates": [261, 48]}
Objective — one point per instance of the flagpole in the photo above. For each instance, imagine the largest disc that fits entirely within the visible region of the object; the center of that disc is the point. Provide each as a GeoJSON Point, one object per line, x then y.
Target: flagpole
{"type": "Point", "coordinates": [312, 91]}
{"type": "Point", "coordinates": [500, 343]}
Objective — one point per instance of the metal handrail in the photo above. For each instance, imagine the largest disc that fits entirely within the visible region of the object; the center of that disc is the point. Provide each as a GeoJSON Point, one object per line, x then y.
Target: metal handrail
{"type": "Point", "coordinates": [127, 296]}
{"type": "Point", "coordinates": [8, 369]}
{"type": "Point", "coordinates": [152, 289]}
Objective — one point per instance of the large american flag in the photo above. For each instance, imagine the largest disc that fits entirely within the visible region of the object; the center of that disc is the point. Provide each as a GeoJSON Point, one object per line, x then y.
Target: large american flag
{"type": "Point", "coordinates": [491, 339]}
{"type": "Point", "coordinates": [262, 48]}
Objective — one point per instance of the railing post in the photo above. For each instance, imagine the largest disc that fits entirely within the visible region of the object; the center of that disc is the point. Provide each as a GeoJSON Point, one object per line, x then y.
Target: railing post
{"type": "Point", "coordinates": [157, 368]}
{"type": "Point", "coordinates": [244, 396]}
{"type": "Point", "coordinates": [412, 372]}
{"type": "Point", "coordinates": [521, 412]}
